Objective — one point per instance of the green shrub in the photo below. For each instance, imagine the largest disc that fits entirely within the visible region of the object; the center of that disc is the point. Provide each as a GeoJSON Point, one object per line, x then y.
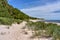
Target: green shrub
{"type": "Point", "coordinates": [8, 21]}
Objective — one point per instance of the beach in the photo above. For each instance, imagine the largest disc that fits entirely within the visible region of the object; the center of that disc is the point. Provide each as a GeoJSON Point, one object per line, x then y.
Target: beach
{"type": "Point", "coordinates": [16, 32]}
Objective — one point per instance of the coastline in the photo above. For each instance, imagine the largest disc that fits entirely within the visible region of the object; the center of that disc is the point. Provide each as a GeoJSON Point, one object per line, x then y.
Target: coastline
{"type": "Point", "coordinates": [53, 22]}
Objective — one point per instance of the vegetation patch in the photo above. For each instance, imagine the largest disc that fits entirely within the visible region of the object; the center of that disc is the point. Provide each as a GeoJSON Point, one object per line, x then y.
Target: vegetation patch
{"type": "Point", "coordinates": [41, 29]}
{"type": "Point", "coordinates": [8, 21]}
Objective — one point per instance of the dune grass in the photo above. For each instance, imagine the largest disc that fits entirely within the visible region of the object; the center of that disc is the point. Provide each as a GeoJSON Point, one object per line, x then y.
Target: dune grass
{"type": "Point", "coordinates": [46, 30]}
{"type": "Point", "coordinates": [8, 21]}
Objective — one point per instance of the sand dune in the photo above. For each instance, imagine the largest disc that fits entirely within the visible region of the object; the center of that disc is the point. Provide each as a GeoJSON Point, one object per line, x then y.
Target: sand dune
{"type": "Point", "coordinates": [15, 32]}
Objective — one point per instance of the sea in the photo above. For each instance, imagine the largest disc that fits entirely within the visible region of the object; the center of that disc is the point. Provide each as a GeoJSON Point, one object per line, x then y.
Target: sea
{"type": "Point", "coordinates": [57, 21]}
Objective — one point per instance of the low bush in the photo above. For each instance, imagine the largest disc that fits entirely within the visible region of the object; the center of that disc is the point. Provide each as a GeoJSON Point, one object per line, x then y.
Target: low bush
{"type": "Point", "coordinates": [8, 21]}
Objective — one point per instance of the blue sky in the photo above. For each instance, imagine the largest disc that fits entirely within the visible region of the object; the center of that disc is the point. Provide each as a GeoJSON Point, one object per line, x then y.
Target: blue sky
{"type": "Point", "coordinates": [48, 9]}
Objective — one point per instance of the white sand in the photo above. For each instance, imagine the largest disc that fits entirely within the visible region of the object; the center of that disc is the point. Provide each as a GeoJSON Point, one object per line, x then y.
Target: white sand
{"type": "Point", "coordinates": [35, 20]}
{"type": "Point", "coordinates": [14, 33]}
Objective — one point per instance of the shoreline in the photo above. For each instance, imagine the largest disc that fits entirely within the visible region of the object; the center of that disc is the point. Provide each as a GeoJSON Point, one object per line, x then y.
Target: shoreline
{"type": "Point", "coordinates": [53, 22]}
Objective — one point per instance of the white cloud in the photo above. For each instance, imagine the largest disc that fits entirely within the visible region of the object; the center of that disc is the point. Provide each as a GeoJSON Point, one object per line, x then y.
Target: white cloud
{"type": "Point", "coordinates": [44, 11]}
{"type": "Point", "coordinates": [45, 8]}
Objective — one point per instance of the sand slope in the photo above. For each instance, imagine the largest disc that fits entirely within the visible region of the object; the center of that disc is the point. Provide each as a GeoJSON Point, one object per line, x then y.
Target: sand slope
{"type": "Point", "coordinates": [14, 33]}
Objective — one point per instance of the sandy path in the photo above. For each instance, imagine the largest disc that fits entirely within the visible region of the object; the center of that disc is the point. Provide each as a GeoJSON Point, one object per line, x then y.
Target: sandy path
{"type": "Point", "coordinates": [15, 32]}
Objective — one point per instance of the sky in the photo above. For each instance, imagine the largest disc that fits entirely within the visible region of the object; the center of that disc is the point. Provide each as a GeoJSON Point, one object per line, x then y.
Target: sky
{"type": "Point", "coordinates": [47, 9]}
